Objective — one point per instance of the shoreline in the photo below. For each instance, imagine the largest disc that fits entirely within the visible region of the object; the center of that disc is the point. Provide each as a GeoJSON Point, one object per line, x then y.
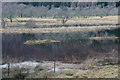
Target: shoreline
{"type": "Point", "coordinates": [70, 70]}
{"type": "Point", "coordinates": [57, 30]}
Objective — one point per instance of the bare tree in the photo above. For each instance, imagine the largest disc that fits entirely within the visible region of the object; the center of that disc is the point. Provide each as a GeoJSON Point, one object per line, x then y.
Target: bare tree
{"type": "Point", "coordinates": [10, 11]}
{"type": "Point", "coordinates": [3, 23]}
{"type": "Point", "coordinates": [21, 10]}
{"type": "Point", "coordinates": [64, 20]}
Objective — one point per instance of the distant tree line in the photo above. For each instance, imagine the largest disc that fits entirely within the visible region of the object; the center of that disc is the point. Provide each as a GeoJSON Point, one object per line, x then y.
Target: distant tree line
{"type": "Point", "coordinates": [67, 4]}
{"type": "Point", "coordinates": [59, 9]}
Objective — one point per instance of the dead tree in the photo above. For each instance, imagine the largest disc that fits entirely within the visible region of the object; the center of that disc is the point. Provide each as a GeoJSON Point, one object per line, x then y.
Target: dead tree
{"type": "Point", "coordinates": [64, 20]}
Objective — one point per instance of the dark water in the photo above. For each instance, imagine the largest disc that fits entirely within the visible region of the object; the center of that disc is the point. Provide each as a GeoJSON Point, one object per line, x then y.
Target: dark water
{"type": "Point", "coordinates": [71, 48]}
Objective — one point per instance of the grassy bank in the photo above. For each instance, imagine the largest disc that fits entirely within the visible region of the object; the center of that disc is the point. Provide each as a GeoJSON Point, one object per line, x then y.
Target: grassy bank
{"type": "Point", "coordinates": [89, 69]}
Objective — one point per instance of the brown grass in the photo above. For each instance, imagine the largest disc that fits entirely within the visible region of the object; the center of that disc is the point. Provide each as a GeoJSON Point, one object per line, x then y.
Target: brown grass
{"type": "Point", "coordinates": [31, 42]}
{"type": "Point", "coordinates": [89, 20]}
{"type": "Point", "coordinates": [20, 26]}
{"type": "Point", "coordinates": [57, 30]}
{"type": "Point", "coordinates": [103, 38]}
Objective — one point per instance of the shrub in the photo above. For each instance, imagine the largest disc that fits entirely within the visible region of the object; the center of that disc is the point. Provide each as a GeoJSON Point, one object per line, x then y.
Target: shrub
{"type": "Point", "coordinates": [20, 75]}
{"type": "Point", "coordinates": [31, 24]}
{"type": "Point", "coordinates": [39, 68]}
{"type": "Point", "coordinates": [64, 20]}
{"type": "Point", "coordinates": [69, 74]}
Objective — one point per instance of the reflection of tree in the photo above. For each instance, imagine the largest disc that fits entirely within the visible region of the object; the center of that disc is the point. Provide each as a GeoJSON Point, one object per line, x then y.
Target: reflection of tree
{"type": "Point", "coordinates": [77, 50]}
{"type": "Point", "coordinates": [55, 51]}
{"type": "Point", "coordinates": [28, 36]}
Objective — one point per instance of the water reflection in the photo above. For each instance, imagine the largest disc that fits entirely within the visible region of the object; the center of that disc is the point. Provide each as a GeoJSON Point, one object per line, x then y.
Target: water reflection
{"type": "Point", "coordinates": [68, 50]}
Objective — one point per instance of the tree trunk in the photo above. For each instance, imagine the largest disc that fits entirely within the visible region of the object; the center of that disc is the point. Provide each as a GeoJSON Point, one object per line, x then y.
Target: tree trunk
{"type": "Point", "coordinates": [3, 24]}
{"type": "Point", "coordinates": [21, 16]}
{"type": "Point", "coordinates": [8, 69]}
{"type": "Point", "coordinates": [54, 66]}
{"type": "Point", "coordinates": [11, 20]}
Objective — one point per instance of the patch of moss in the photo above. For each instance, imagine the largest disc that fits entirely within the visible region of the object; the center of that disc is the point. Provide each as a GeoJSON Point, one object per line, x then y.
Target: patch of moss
{"type": "Point", "coordinates": [69, 74]}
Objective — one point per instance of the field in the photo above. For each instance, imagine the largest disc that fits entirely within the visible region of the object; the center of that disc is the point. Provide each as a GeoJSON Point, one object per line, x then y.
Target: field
{"type": "Point", "coordinates": [80, 48]}
{"type": "Point", "coordinates": [50, 25]}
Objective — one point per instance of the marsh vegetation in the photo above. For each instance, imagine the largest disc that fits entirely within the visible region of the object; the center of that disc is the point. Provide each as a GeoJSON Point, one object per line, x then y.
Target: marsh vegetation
{"type": "Point", "coordinates": [58, 46]}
